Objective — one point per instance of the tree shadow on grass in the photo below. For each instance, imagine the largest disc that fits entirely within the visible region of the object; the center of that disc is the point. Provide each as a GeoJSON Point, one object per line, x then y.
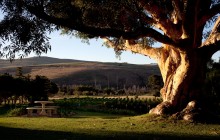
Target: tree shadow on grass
{"type": "Point", "coordinates": [81, 114]}
{"type": "Point", "coordinates": [27, 134]}
{"type": "Point", "coordinates": [3, 111]}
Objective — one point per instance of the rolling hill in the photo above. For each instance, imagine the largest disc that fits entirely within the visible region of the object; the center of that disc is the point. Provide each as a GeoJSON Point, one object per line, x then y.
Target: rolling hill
{"type": "Point", "coordinates": [76, 72]}
{"type": "Point", "coordinates": [33, 61]}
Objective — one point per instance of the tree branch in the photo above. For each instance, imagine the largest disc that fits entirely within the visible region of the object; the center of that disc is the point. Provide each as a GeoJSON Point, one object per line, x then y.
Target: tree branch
{"type": "Point", "coordinates": [160, 19]}
{"type": "Point", "coordinates": [144, 18]}
{"type": "Point", "coordinates": [214, 35]}
{"type": "Point", "coordinates": [189, 18]}
{"type": "Point", "coordinates": [176, 5]}
{"type": "Point", "coordinates": [153, 53]}
{"type": "Point", "coordinates": [212, 43]}
{"type": "Point", "coordinates": [209, 14]}
{"type": "Point", "coordinates": [74, 23]}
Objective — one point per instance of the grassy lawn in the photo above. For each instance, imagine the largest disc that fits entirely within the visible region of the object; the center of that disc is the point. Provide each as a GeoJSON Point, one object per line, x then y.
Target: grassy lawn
{"type": "Point", "coordinates": [85, 125]}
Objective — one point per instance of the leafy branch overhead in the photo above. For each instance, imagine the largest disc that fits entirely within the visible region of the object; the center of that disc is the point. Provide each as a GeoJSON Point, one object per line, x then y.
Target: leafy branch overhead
{"type": "Point", "coordinates": [26, 23]}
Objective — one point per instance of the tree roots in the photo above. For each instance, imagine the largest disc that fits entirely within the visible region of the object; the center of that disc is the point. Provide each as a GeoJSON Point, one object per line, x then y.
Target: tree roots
{"type": "Point", "coordinates": [193, 112]}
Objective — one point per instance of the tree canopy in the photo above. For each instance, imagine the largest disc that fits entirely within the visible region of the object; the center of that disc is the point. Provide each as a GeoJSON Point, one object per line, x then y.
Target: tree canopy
{"type": "Point", "coordinates": [26, 23]}
{"type": "Point", "coordinates": [22, 86]}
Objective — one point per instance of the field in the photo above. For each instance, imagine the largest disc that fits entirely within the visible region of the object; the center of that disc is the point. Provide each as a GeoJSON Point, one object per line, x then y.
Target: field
{"type": "Point", "coordinates": [86, 125]}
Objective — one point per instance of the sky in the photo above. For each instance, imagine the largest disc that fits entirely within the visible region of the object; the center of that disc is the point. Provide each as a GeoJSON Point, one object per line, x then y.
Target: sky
{"type": "Point", "coordinates": [67, 47]}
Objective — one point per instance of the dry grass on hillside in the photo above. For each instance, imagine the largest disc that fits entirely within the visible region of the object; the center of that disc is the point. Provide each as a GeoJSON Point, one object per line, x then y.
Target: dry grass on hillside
{"type": "Point", "coordinates": [56, 72]}
{"type": "Point", "coordinates": [87, 72]}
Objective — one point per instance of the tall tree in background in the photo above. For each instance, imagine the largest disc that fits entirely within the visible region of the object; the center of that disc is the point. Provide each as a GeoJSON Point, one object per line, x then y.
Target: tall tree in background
{"type": "Point", "coordinates": [213, 81]}
{"type": "Point", "coordinates": [183, 27]}
{"type": "Point", "coordinates": [19, 72]}
{"type": "Point", "coordinates": [154, 84]}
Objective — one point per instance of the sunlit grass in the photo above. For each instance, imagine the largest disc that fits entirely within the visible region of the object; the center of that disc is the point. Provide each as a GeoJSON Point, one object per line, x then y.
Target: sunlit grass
{"type": "Point", "coordinates": [97, 125]}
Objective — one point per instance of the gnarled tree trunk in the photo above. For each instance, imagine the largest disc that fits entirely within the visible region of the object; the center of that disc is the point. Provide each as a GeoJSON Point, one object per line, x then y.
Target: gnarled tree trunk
{"type": "Point", "coordinates": [183, 74]}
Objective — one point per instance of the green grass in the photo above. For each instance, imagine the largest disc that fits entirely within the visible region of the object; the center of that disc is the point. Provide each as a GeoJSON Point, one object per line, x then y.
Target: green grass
{"type": "Point", "coordinates": [87, 125]}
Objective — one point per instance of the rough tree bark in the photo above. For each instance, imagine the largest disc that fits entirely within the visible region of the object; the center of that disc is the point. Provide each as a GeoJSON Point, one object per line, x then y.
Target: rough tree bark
{"type": "Point", "coordinates": [183, 70]}
{"type": "Point", "coordinates": [183, 74]}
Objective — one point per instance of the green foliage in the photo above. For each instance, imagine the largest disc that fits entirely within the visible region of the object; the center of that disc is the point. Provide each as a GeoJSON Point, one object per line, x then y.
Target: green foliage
{"type": "Point", "coordinates": [16, 112]}
{"type": "Point", "coordinates": [40, 86]}
{"type": "Point", "coordinates": [82, 88]}
{"type": "Point", "coordinates": [6, 90]}
{"type": "Point", "coordinates": [4, 110]}
{"type": "Point", "coordinates": [123, 106]}
{"type": "Point", "coordinates": [154, 84]}
{"type": "Point", "coordinates": [212, 87]}
{"type": "Point", "coordinates": [154, 81]}
{"type": "Point", "coordinates": [19, 72]}
{"type": "Point", "coordinates": [24, 32]}
{"type": "Point", "coordinates": [26, 23]}
{"type": "Point", "coordinates": [78, 90]}
{"type": "Point", "coordinates": [109, 91]}
{"type": "Point", "coordinates": [12, 88]}
{"type": "Point", "coordinates": [156, 93]}
{"type": "Point", "coordinates": [53, 88]}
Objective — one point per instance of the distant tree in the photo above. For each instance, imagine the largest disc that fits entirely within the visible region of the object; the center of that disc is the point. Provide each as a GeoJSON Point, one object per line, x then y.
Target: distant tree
{"type": "Point", "coordinates": [213, 81]}
{"type": "Point", "coordinates": [22, 87]}
{"type": "Point", "coordinates": [89, 90]}
{"type": "Point", "coordinates": [120, 92]}
{"type": "Point", "coordinates": [108, 91]}
{"type": "Point", "coordinates": [18, 87]}
{"type": "Point", "coordinates": [63, 88]}
{"type": "Point", "coordinates": [6, 87]}
{"type": "Point", "coordinates": [41, 86]}
{"type": "Point", "coordinates": [154, 84]}
{"type": "Point", "coordinates": [53, 88]}
{"type": "Point", "coordinates": [19, 72]}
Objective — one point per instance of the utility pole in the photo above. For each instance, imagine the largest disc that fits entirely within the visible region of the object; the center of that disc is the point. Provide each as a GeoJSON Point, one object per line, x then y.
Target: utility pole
{"type": "Point", "coordinates": [117, 81]}
{"type": "Point", "coordinates": [95, 81]}
{"type": "Point", "coordinates": [108, 80]}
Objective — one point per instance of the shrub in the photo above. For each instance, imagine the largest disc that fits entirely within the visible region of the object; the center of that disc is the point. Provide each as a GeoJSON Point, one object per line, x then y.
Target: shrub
{"type": "Point", "coordinates": [16, 112]}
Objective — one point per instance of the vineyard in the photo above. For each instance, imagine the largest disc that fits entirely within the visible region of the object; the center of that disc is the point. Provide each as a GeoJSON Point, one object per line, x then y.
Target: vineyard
{"type": "Point", "coordinates": [122, 106]}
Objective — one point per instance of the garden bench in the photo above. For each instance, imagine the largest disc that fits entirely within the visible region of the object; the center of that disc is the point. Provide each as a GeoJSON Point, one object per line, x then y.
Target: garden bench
{"type": "Point", "coordinates": [53, 109]}
{"type": "Point", "coordinates": [49, 110]}
{"type": "Point", "coordinates": [31, 109]}
{"type": "Point", "coordinates": [43, 109]}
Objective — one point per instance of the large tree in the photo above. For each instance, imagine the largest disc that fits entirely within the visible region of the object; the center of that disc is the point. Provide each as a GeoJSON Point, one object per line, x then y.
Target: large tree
{"type": "Point", "coordinates": [188, 31]}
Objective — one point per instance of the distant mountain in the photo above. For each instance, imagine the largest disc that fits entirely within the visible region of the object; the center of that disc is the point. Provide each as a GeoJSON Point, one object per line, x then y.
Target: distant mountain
{"type": "Point", "coordinates": [76, 72]}
{"type": "Point", "coordinates": [33, 61]}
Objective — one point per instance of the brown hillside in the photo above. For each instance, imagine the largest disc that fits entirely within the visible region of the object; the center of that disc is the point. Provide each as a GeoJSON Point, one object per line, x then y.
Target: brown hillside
{"type": "Point", "coordinates": [87, 73]}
